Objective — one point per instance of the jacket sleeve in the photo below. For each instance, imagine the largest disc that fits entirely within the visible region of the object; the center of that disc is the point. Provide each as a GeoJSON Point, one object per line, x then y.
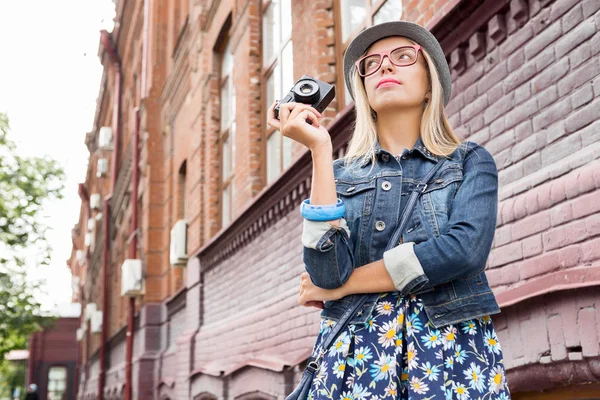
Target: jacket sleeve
{"type": "Point", "coordinates": [462, 250]}
{"type": "Point", "coordinates": [327, 253]}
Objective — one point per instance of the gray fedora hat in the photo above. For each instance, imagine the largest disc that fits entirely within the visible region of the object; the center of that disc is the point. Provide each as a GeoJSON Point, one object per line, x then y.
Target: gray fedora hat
{"type": "Point", "coordinates": [410, 30]}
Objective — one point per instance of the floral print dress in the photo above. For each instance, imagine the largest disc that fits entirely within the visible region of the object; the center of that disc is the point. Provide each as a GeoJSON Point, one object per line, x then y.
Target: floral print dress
{"type": "Point", "coordinates": [399, 354]}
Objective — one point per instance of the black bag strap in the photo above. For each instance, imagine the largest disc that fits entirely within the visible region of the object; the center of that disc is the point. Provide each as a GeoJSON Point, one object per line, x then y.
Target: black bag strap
{"type": "Point", "coordinates": [313, 362]}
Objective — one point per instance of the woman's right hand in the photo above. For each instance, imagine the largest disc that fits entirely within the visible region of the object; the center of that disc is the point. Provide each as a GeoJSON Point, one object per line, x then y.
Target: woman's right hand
{"type": "Point", "coordinates": [292, 123]}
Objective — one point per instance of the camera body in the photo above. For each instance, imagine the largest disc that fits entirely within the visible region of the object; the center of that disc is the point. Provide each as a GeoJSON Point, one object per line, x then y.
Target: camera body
{"type": "Point", "coordinates": [311, 91]}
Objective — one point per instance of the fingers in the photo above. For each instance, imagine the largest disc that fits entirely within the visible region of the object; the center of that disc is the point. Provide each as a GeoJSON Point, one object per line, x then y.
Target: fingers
{"type": "Point", "coordinates": [316, 304]}
{"type": "Point", "coordinates": [271, 120]}
{"type": "Point", "coordinates": [289, 112]}
{"type": "Point", "coordinates": [299, 108]}
{"type": "Point", "coordinates": [303, 298]}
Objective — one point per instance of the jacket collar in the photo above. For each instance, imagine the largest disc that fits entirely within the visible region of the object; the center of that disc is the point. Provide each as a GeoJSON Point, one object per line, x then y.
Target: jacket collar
{"type": "Point", "coordinates": [418, 147]}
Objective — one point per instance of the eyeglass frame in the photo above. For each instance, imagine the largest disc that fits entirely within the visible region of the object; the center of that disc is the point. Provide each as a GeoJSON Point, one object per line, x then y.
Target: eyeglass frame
{"type": "Point", "coordinates": [387, 53]}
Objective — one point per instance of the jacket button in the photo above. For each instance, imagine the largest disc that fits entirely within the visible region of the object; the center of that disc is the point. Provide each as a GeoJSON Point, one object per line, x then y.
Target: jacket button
{"type": "Point", "coordinates": [385, 158]}
{"type": "Point", "coordinates": [351, 189]}
{"type": "Point", "coordinates": [386, 186]}
{"type": "Point", "coordinates": [380, 225]}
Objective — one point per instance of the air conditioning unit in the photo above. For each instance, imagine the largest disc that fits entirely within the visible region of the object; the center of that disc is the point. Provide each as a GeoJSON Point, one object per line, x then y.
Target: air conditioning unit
{"type": "Point", "coordinates": [75, 284]}
{"type": "Point", "coordinates": [91, 225]}
{"type": "Point", "coordinates": [132, 281]}
{"type": "Point", "coordinates": [101, 167]}
{"type": "Point", "coordinates": [80, 257]}
{"type": "Point", "coordinates": [178, 248]}
{"type": "Point", "coordinates": [96, 322]}
{"type": "Point", "coordinates": [95, 201]}
{"type": "Point", "coordinates": [79, 334]}
{"type": "Point", "coordinates": [87, 241]}
{"type": "Point", "coordinates": [90, 309]}
{"type": "Point", "coordinates": [105, 137]}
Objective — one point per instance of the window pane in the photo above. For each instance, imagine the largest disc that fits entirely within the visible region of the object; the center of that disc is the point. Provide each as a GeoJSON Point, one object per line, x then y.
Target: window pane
{"type": "Point", "coordinates": [271, 31]}
{"type": "Point", "coordinates": [232, 144]}
{"type": "Point", "coordinates": [274, 86]}
{"type": "Point", "coordinates": [287, 68]}
{"type": "Point", "coordinates": [57, 382]}
{"type": "Point", "coordinates": [287, 151]}
{"type": "Point", "coordinates": [227, 64]}
{"type": "Point", "coordinates": [57, 373]}
{"type": "Point", "coordinates": [225, 105]}
{"type": "Point", "coordinates": [286, 19]}
{"type": "Point", "coordinates": [226, 159]}
{"type": "Point", "coordinates": [232, 99]}
{"type": "Point", "coordinates": [273, 156]}
{"type": "Point", "coordinates": [270, 90]}
{"type": "Point", "coordinates": [391, 10]}
{"type": "Point", "coordinates": [353, 14]}
{"type": "Point", "coordinates": [232, 197]}
{"type": "Point", "coordinates": [226, 206]}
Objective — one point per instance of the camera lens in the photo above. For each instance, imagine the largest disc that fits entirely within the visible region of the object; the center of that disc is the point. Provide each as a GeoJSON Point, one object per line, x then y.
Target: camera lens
{"type": "Point", "coordinates": [306, 91]}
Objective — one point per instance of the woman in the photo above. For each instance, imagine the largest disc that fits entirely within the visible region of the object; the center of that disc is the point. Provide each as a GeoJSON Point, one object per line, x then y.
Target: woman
{"type": "Point", "coordinates": [427, 334]}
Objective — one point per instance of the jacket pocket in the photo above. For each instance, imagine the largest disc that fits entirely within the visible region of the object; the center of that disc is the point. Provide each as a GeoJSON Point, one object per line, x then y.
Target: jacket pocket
{"type": "Point", "coordinates": [357, 196]}
{"type": "Point", "coordinates": [437, 199]}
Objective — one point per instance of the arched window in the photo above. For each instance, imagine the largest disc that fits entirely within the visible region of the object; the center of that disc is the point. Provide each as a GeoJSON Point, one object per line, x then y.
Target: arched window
{"type": "Point", "coordinates": [255, 395]}
{"type": "Point", "coordinates": [205, 396]}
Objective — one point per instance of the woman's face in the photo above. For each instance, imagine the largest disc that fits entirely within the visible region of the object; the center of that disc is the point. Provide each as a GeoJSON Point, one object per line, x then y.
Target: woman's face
{"type": "Point", "coordinates": [411, 86]}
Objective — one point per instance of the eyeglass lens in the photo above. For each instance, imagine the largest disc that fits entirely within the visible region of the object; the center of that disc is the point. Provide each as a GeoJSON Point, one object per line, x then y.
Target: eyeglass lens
{"type": "Point", "coordinates": [401, 56]}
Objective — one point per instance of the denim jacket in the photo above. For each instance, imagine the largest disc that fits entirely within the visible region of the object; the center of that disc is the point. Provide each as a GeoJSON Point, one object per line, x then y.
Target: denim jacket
{"type": "Point", "coordinates": [443, 251]}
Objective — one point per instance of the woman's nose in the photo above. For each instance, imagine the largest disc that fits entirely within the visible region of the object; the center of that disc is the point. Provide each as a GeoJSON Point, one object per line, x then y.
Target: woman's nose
{"type": "Point", "coordinates": [386, 64]}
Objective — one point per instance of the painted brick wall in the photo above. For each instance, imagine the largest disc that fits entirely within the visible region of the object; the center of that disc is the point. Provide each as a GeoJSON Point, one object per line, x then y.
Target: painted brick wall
{"type": "Point", "coordinates": [526, 87]}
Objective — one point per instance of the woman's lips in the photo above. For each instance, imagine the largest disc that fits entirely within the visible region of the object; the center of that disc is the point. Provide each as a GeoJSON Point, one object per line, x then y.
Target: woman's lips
{"type": "Point", "coordinates": [388, 82]}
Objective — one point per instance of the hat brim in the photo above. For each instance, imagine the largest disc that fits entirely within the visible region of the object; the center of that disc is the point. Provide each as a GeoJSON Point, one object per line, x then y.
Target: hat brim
{"type": "Point", "coordinates": [410, 30]}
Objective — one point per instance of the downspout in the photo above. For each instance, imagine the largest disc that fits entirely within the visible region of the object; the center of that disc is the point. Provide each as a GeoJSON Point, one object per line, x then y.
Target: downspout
{"type": "Point", "coordinates": [132, 254]}
{"type": "Point", "coordinates": [85, 198]}
{"type": "Point", "coordinates": [110, 48]}
{"type": "Point", "coordinates": [105, 307]}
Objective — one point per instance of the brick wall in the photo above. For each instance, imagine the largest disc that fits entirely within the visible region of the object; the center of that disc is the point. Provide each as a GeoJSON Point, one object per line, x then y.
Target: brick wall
{"type": "Point", "coordinates": [525, 86]}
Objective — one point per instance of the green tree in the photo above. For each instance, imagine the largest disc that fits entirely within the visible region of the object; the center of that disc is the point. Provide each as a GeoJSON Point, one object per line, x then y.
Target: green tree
{"type": "Point", "coordinates": [26, 184]}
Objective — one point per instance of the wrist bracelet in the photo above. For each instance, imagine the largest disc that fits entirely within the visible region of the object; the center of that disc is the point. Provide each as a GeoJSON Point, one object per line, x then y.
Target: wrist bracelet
{"type": "Point", "coordinates": [329, 212]}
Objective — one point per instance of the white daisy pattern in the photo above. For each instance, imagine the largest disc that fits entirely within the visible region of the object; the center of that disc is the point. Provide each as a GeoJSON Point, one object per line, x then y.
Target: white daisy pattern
{"type": "Point", "coordinates": [399, 354]}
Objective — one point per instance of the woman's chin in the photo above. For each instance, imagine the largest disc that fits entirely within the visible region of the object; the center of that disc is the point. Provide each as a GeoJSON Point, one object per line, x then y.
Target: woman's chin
{"type": "Point", "coordinates": [394, 103]}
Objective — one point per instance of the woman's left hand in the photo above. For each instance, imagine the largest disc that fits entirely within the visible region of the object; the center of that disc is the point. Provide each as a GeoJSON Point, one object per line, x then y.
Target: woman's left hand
{"type": "Point", "coordinates": [314, 296]}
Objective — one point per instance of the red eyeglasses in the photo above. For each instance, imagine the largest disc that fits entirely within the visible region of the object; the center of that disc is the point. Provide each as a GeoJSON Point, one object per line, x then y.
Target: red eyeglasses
{"type": "Point", "coordinates": [401, 56]}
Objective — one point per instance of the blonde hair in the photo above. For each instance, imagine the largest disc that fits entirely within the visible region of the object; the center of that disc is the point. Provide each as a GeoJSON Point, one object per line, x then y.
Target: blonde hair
{"type": "Point", "coordinates": [436, 133]}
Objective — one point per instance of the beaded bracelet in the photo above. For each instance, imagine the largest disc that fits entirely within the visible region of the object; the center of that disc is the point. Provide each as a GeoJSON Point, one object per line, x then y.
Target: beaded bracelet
{"type": "Point", "coordinates": [329, 212]}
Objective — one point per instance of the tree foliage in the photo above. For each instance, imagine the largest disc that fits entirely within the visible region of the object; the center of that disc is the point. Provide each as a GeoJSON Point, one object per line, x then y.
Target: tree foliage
{"type": "Point", "coordinates": [26, 185]}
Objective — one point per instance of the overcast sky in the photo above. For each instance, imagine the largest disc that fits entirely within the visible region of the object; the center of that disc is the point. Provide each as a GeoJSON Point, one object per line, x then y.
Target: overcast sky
{"type": "Point", "coordinates": [49, 81]}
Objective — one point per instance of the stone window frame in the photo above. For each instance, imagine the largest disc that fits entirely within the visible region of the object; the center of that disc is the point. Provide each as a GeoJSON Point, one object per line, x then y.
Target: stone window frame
{"type": "Point", "coordinates": [370, 11]}
{"type": "Point", "coordinates": [255, 395]}
{"type": "Point", "coordinates": [205, 396]}
{"type": "Point", "coordinates": [268, 68]}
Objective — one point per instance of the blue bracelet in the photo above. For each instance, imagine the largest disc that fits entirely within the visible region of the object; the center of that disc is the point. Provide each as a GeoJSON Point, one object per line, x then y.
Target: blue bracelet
{"type": "Point", "coordinates": [322, 212]}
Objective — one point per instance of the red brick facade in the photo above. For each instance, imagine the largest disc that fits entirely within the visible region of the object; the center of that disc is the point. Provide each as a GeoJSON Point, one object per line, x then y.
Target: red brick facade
{"type": "Point", "coordinates": [53, 348]}
{"type": "Point", "coordinates": [226, 326]}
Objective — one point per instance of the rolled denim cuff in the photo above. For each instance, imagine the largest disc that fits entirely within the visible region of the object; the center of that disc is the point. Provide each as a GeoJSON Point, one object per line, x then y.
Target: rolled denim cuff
{"type": "Point", "coordinates": [313, 231]}
{"type": "Point", "coordinates": [404, 268]}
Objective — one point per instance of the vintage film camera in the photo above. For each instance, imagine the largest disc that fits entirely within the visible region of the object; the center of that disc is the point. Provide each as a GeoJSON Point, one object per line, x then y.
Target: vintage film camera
{"type": "Point", "coordinates": [310, 91]}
